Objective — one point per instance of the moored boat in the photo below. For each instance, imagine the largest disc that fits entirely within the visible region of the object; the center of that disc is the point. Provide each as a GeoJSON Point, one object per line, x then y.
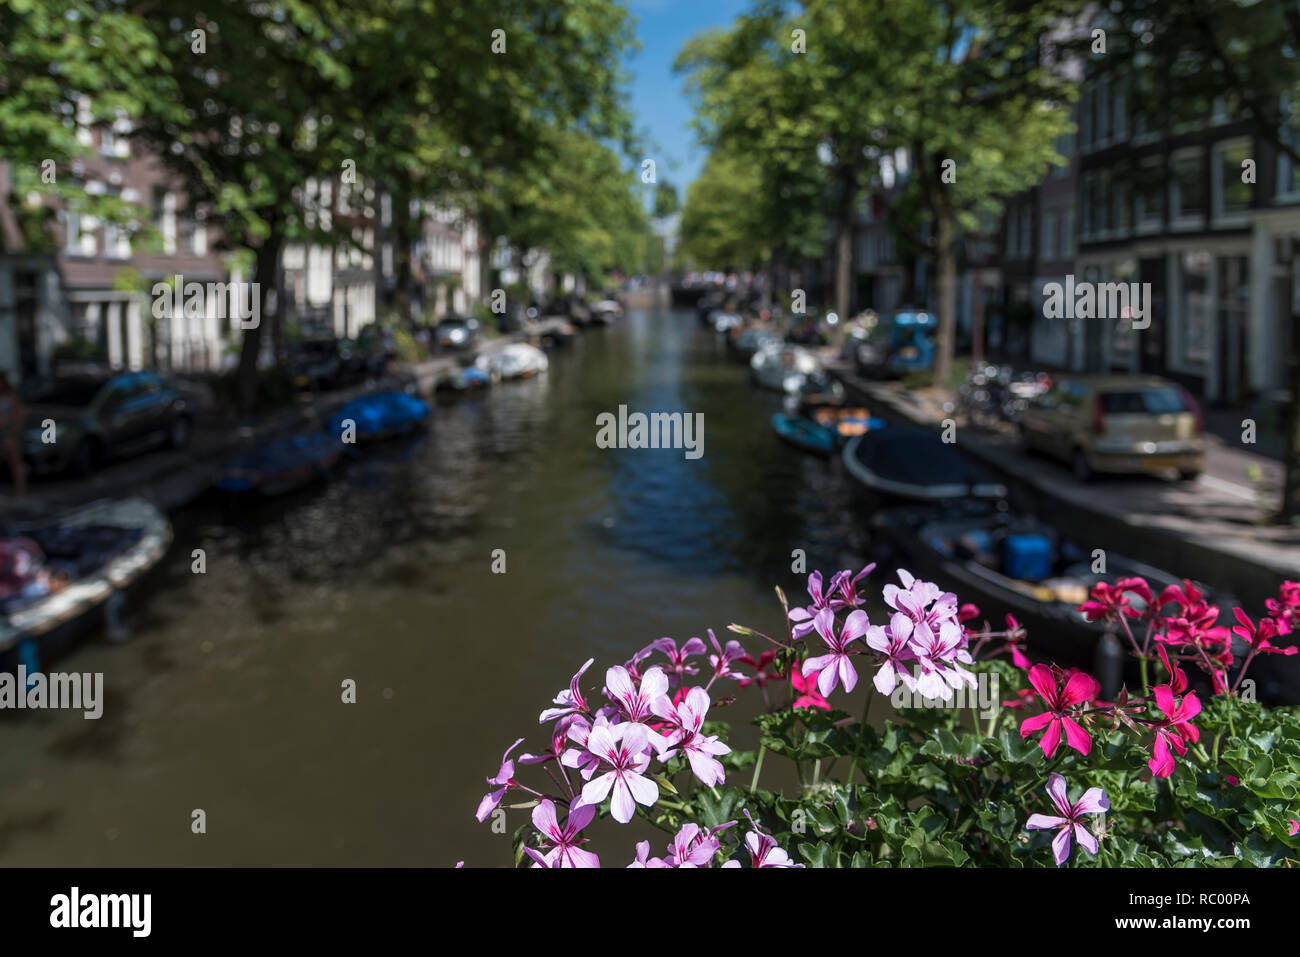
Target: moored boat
{"type": "Point", "coordinates": [804, 434]}
{"type": "Point", "coordinates": [60, 579]}
{"type": "Point", "coordinates": [1008, 563]}
{"type": "Point", "coordinates": [282, 465]}
{"type": "Point", "coordinates": [380, 415]}
{"type": "Point", "coordinates": [515, 361]}
{"type": "Point", "coordinates": [915, 463]}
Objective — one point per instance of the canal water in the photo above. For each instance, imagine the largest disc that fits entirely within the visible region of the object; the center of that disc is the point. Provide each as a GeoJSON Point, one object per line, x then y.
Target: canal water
{"type": "Point", "coordinates": [227, 697]}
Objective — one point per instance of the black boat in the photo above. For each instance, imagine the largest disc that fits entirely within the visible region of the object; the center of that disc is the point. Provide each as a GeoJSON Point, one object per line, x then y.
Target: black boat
{"type": "Point", "coordinates": [915, 463]}
{"type": "Point", "coordinates": [1005, 562]}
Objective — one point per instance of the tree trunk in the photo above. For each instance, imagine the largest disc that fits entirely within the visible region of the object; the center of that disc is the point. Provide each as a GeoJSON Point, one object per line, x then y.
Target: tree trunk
{"type": "Point", "coordinates": [946, 263]}
{"type": "Point", "coordinates": [844, 241]}
{"type": "Point", "coordinates": [266, 270]}
{"type": "Point", "coordinates": [402, 231]}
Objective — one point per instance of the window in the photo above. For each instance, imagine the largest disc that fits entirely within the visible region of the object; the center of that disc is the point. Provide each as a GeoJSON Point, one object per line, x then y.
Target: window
{"type": "Point", "coordinates": [79, 237]}
{"type": "Point", "coordinates": [164, 218]}
{"type": "Point", "coordinates": [1085, 117]}
{"type": "Point", "coordinates": [1101, 104]}
{"type": "Point", "coordinates": [1196, 305]}
{"type": "Point", "coordinates": [1187, 185]}
{"type": "Point", "coordinates": [1026, 231]}
{"type": "Point", "coordinates": [1120, 205]}
{"type": "Point", "coordinates": [117, 242]}
{"type": "Point", "coordinates": [1067, 233]}
{"type": "Point", "coordinates": [1149, 194]}
{"type": "Point", "coordinates": [1231, 195]}
{"type": "Point", "coordinates": [1100, 200]}
{"type": "Point", "coordinates": [1119, 110]}
{"type": "Point", "coordinates": [1048, 245]}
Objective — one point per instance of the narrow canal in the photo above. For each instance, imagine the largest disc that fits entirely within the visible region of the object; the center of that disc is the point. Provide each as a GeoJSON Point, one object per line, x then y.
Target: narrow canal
{"type": "Point", "coordinates": [228, 696]}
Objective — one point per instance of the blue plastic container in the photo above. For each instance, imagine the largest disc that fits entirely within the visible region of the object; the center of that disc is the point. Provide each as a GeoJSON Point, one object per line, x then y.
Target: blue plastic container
{"type": "Point", "coordinates": [1027, 557]}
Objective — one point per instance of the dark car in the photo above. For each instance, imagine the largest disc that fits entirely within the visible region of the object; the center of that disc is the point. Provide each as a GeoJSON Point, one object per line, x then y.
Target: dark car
{"type": "Point", "coordinates": [79, 421]}
{"type": "Point", "coordinates": [456, 333]}
{"type": "Point", "coordinates": [331, 363]}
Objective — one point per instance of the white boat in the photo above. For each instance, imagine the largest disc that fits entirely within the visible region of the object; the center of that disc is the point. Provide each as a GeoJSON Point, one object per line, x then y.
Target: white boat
{"type": "Point", "coordinates": [515, 361]}
{"type": "Point", "coordinates": [87, 559]}
{"type": "Point", "coordinates": [606, 311]}
{"type": "Point", "coordinates": [783, 367]}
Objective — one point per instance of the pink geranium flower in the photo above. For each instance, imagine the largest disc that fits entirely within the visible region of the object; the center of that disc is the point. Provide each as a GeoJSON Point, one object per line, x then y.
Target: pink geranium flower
{"type": "Point", "coordinates": [725, 656]}
{"type": "Point", "coordinates": [677, 666]}
{"type": "Point", "coordinates": [803, 617]}
{"type": "Point", "coordinates": [635, 703]}
{"type": "Point", "coordinates": [1070, 820]}
{"type": "Point", "coordinates": [1078, 689]}
{"type": "Point", "coordinates": [568, 701]}
{"type": "Point", "coordinates": [624, 748]}
{"type": "Point", "coordinates": [893, 643]}
{"type": "Point", "coordinates": [844, 588]}
{"type": "Point", "coordinates": [565, 851]}
{"type": "Point", "coordinates": [503, 781]}
{"type": "Point", "coordinates": [836, 667]}
{"type": "Point", "coordinates": [686, 718]}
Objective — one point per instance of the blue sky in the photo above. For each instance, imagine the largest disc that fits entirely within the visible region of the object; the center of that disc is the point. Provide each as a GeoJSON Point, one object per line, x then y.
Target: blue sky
{"type": "Point", "coordinates": [658, 100]}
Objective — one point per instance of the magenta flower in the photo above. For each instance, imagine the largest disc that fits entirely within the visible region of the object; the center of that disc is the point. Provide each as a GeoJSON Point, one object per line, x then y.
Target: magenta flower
{"type": "Point", "coordinates": [1079, 688]}
{"type": "Point", "coordinates": [893, 642]}
{"type": "Point", "coordinates": [1094, 801]}
{"type": "Point", "coordinates": [503, 782]}
{"type": "Point", "coordinates": [569, 701]}
{"type": "Point", "coordinates": [762, 848]}
{"type": "Point", "coordinates": [1175, 732]}
{"type": "Point", "coordinates": [625, 749]}
{"type": "Point", "coordinates": [565, 851]}
{"type": "Point", "coordinates": [687, 718]}
{"type": "Point", "coordinates": [836, 666]}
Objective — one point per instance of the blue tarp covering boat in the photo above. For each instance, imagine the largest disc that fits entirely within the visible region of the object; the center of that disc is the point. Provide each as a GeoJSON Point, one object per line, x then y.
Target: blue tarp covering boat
{"type": "Point", "coordinates": [381, 416]}
{"type": "Point", "coordinates": [282, 464]}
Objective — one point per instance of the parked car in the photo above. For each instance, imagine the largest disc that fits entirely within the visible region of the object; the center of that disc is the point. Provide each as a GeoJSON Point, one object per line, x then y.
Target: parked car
{"type": "Point", "coordinates": [1119, 424]}
{"type": "Point", "coordinates": [456, 332]}
{"type": "Point", "coordinates": [316, 364]}
{"type": "Point", "coordinates": [97, 417]}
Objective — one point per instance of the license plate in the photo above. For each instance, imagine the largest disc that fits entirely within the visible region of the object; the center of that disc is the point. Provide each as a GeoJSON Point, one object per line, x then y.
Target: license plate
{"type": "Point", "coordinates": [1155, 463]}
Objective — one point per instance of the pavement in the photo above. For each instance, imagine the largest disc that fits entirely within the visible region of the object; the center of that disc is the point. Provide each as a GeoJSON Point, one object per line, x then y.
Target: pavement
{"type": "Point", "coordinates": [1215, 529]}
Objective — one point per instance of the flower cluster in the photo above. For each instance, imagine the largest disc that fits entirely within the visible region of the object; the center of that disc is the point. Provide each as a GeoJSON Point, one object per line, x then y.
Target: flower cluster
{"type": "Point", "coordinates": [649, 722]}
{"type": "Point", "coordinates": [650, 716]}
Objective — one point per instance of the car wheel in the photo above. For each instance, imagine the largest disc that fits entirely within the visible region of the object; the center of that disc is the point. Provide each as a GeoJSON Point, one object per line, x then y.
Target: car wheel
{"type": "Point", "coordinates": [179, 434]}
{"type": "Point", "coordinates": [86, 457]}
{"type": "Point", "coordinates": [1189, 475]}
{"type": "Point", "coordinates": [1080, 467]}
